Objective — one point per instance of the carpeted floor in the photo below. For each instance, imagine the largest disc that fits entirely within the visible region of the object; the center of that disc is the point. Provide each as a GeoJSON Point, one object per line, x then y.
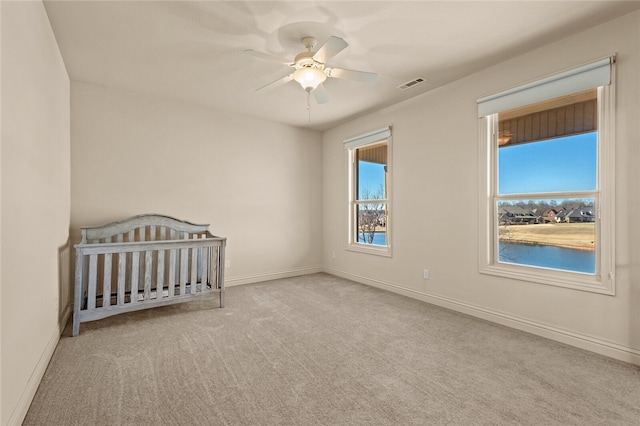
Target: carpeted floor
{"type": "Point", "coordinates": [321, 350]}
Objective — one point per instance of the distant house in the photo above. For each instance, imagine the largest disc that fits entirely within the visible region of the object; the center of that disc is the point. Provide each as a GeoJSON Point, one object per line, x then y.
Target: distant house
{"type": "Point", "coordinates": [551, 215]}
{"type": "Point", "coordinates": [508, 215]}
{"type": "Point", "coordinates": [576, 215]}
{"type": "Point", "coordinates": [561, 216]}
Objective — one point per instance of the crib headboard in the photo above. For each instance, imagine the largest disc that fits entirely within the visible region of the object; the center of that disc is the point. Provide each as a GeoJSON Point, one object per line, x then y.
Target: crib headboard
{"type": "Point", "coordinates": [146, 227]}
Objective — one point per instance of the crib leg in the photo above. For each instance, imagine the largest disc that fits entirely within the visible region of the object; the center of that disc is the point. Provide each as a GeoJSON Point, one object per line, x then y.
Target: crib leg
{"type": "Point", "coordinates": [78, 291]}
{"type": "Point", "coordinates": [76, 325]}
{"type": "Point", "coordinates": [220, 271]}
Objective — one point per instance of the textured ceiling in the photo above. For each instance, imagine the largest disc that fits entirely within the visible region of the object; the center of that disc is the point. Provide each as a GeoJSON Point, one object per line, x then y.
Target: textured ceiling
{"type": "Point", "coordinates": [193, 51]}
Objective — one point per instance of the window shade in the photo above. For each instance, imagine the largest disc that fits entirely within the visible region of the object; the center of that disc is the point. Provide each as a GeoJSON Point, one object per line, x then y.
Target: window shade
{"type": "Point", "coordinates": [367, 138]}
{"type": "Point", "coordinates": [582, 78]}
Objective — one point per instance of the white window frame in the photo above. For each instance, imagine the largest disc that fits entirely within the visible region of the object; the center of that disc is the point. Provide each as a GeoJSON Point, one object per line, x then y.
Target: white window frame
{"type": "Point", "coordinates": [351, 145]}
{"type": "Point", "coordinates": [603, 281]}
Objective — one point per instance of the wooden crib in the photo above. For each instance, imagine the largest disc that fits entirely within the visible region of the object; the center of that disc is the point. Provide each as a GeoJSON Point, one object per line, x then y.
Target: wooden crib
{"type": "Point", "coordinates": [142, 262]}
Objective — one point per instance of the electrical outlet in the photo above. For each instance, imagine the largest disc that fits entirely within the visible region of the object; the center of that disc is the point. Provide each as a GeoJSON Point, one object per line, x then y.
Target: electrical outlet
{"type": "Point", "coordinates": [227, 264]}
{"type": "Point", "coordinates": [426, 274]}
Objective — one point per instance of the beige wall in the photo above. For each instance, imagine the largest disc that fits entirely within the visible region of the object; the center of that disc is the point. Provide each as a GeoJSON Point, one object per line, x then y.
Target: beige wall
{"type": "Point", "coordinates": [256, 182]}
{"type": "Point", "coordinates": [435, 202]}
{"type": "Point", "coordinates": [34, 201]}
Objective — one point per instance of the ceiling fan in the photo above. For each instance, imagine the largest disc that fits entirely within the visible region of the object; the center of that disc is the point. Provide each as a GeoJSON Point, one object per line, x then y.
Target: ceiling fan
{"type": "Point", "coordinates": [310, 69]}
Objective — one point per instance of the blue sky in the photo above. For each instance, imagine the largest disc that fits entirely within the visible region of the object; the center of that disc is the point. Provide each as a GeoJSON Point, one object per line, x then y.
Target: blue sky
{"type": "Point", "coordinates": [371, 175]}
{"type": "Point", "coordinates": [562, 164]}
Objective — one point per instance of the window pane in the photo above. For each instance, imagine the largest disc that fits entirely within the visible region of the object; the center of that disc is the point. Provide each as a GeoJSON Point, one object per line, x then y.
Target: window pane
{"type": "Point", "coordinates": [555, 233]}
{"type": "Point", "coordinates": [371, 162]}
{"type": "Point", "coordinates": [371, 225]}
{"type": "Point", "coordinates": [554, 165]}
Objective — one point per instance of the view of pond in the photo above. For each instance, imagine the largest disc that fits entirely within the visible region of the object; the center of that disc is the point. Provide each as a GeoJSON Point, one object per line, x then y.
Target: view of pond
{"type": "Point", "coordinates": [379, 238]}
{"type": "Point", "coordinates": [534, 255]}
{"type": "Point", "coordinates": [548, 257]}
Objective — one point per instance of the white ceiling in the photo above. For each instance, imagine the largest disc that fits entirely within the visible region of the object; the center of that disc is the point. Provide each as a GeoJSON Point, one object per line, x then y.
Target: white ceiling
{"type": "Point", "coordinates": [193, 51]}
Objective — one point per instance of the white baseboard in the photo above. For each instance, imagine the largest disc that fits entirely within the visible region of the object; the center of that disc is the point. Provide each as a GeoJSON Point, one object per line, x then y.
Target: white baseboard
{"type": "Point", "coordinates": [593, 344]}
{"type": "Point", "coordinates": [29, 391]}
{"type": "Point", "coordinates": [249, 279]}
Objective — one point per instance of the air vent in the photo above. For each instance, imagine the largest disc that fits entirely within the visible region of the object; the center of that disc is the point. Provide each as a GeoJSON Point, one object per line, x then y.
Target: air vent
{"type": "Point", "coordinates": [411, 83]}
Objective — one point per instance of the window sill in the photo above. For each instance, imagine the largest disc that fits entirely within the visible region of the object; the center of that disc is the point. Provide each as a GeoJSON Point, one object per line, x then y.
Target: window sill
{"type": "Point", "coordinates": [572, 280]}
{"type": "Point", "coordinates": [370, 249]}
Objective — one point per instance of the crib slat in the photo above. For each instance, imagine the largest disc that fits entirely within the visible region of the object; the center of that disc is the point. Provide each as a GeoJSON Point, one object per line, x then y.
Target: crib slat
{"type": "Point", "coordinates": [184, 254]}
{"type": "Point", "coordinates": [131, 236]}
{"type": "Point", "coordinates": [194, 268]}
{"type": "Point", "coordinates": [122, 270]}
{"type": "Point", "coordinates": [160, 273]}
{"type": "Point", "coordinates": [142, 236]}
{"type": "Point", "coordinates": [183, 270]}
{"type": "Point", "coordinates": [106, 282]}
{"type": "Point", "coordinates": [172, 267]}
{"type": "Point", "coordinates": [171, 283]}
{"type": "Point", "coordinates": [93, 277]}
{"type": "Point", "coordinates": [213, 266]}
{"type": "Point", "coordinates": [135, 271]}
{"type": "Point", "coordinates": [148, 267]}
{"type": "Point", "coordinates": [205, 268]}
{"type": "Point", "coordinates": [119, 299]}
{"type": "Point", "coordinates": [152, 237]}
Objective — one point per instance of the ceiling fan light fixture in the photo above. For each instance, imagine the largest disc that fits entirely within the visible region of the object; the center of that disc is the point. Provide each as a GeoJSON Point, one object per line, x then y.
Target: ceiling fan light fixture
{"type": "Point", "coordinates": [310, 68]}
{"type": "Point", "coordinates": [309, 78]}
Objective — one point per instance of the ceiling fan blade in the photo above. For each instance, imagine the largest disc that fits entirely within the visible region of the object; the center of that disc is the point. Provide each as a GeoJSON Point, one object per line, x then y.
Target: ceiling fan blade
{"type": "Point", "coordinates": [321, 95]}
{"type": "Point", "coordinates": [331, 48]}
{"type": "Point", "coordinates": [365, 77]}
{"type": "Point", "coordinates": [268, 57]}
{"type": "Point", "coordinates": [269, 87]}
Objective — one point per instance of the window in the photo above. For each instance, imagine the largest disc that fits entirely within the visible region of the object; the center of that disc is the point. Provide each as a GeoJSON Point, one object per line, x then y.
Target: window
{"type": "Point", "coordinates": [546, 199]}
{"type": "Point", "coordinates": [369, 162]}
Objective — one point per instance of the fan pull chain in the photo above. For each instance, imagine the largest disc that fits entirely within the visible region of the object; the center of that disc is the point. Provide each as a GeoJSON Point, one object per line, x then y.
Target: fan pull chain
{"type": "Point", "coordinates": [309, 105]}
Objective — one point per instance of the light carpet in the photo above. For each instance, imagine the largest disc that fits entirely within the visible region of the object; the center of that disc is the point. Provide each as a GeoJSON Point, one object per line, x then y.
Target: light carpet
{"type": "Point", "coordinates": [322, 350]}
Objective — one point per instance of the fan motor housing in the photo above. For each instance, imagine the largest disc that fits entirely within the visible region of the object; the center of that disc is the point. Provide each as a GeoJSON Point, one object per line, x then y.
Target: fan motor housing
{"type": "Point", "coordinates": [305, 59]}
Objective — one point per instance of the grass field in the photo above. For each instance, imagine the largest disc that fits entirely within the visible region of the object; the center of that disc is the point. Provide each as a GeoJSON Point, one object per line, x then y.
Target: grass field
{"type": "Point", "coordinates": [570, 235]}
